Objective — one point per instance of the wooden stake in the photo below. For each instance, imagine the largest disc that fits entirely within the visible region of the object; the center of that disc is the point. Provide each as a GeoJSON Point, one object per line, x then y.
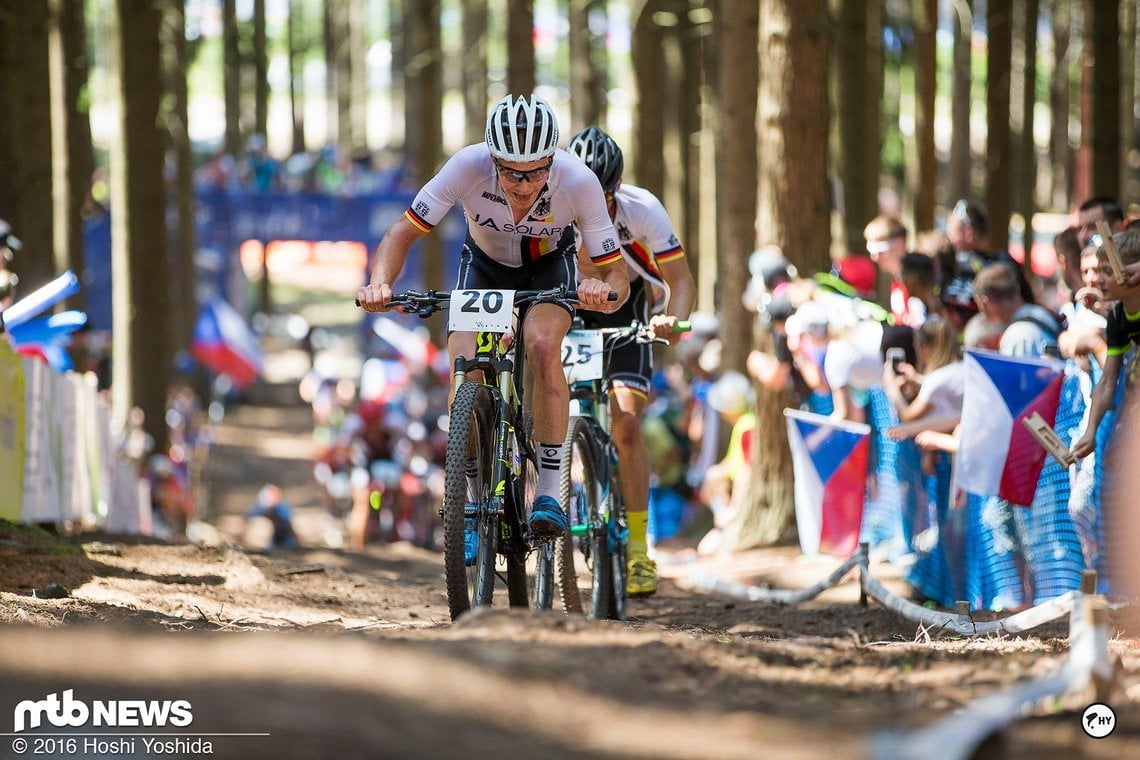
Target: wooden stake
{"type": "Point", "coordinates": [1110, 251]}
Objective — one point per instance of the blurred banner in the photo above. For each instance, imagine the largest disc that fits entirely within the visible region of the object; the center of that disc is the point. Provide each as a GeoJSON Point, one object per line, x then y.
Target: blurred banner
{"type": "Point", "coordinates": [11, 433]}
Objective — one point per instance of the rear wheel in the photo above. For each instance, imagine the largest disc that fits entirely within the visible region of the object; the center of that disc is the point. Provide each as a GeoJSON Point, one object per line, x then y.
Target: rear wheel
{"type": "Point", "coordinates": [586, 546]}
{"type": "Point", "coordinates": [618, 535]}
{"type": "Point", "coordinates": [470, 454]}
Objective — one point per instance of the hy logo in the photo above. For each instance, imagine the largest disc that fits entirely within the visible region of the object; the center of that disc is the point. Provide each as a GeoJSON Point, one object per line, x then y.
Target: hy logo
{"type": "Point", "coordinates": [65, 710]}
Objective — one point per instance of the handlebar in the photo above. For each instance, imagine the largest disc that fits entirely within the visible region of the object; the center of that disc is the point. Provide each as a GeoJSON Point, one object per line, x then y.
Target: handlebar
{"type": "Point", "coordinates": [635, 331]}
{"type": "Point", "coordinates": [424, 305]}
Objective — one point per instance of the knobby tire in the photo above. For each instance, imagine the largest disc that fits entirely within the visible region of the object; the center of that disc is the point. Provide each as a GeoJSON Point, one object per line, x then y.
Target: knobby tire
{"type": "Point", "coordinates": [582, 493]}
{"type": "Point", "coordinates": [471, 433]}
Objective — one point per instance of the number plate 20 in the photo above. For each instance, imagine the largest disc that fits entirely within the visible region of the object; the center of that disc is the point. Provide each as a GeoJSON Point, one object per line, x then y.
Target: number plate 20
{"type": "Point", "coordinates": [475, 310]}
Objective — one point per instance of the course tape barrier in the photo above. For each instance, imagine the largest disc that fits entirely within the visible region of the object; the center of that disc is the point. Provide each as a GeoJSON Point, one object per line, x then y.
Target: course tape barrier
{"type": "Point", "coordinates": [709, 582]}
{"type": "Point", "coordinates": [959, 735]}
{"type": "Point", "coordinates": [934, 621]}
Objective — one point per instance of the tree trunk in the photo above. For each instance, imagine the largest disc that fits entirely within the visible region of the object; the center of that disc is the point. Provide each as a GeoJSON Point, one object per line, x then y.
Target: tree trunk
{"type": "Point", "coordinates": [858, 154]}
{"type": "Point", "coordinates": [357, 144]}
{"type": "Point", "coordinates": [31, 218]}
{"type": "Point", "coordinates": [1130, 166]}
{"type": "Point", "coordinates": [1060, 156]}
{"type": "Point", "coordinates": [231, 77]}
{"type": "Point", "coordinates": [587, 62]}
{"type": "Point", "coordinates": [1082, 158]}
{"type": "Point", "coordinates": [1025, 65]}
{"type": "Point", "coordinates": [260, 71]}
{"type": "Point", "coordinates": [961, 154]}
{"type": "Point", "coordinates": [648, 59]}
{"type": "Point", "coordinates": [794, 213]}
{"type": "Point", "coordinates": [738, 74]}
{"type": "Point", "coordinates": [520, 47]}
{"type": "Point", "coordinates": [999, 164]}
{"type": "Point", "coordinates": [141, 350]}
{"type": "Point", "coordinates": [925, 87]}
{"type": "Point", "coordinates": [474, 72]}
{"type": "Point", "coordinates": [1103, 43]}
{"type": "Point", "coordinates": [72, 161]}
{"type": "Point", "coordinates": [9, 103]}
{"type": "Point", "coordinates": [342, 64]}
{"type": "Point", "coordinates": [692, 36]}
{"type": "Point", "coordinates": [399, 60]}
{"type": "Point", "coordinates": [296, 47]}
{"type": "Point", "coordinates": [423, 85]}
{"type": "Point", "coordinates": [794, 199]}
{"type": "Point", "coordinates": [183, 285]}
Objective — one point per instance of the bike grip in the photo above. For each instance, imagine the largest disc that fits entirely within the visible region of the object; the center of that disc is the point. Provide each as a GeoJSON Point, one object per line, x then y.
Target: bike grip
{"type": "Point", "coordinates": [682, 327]}
{"type": "Point", "coordinates": [358, 302]}
{"type": "Point", "coordinates": [613, 296]}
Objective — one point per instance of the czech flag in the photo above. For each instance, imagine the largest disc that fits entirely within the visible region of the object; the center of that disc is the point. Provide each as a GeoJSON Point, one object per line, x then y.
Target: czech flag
{"type": "Point", "coordinates": [996, 454]}
{"type": "Point", "coordinates": [829, 461]}
{"type": "Point", "coordinates": [224, 343]}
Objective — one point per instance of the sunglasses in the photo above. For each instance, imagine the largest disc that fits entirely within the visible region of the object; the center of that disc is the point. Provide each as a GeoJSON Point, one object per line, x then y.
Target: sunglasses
{"type": "Point", "coordinates": [531, 175]}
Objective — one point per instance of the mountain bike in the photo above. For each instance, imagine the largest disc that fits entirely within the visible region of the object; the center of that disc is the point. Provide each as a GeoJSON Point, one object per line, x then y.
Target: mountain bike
{"type": "Point", "coordinates": [589, 476]}
{"type": "Point", "coordinates": [490, 466]}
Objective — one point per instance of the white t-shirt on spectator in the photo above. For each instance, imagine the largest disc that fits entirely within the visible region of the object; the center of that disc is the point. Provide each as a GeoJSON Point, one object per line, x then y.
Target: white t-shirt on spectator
{"type": "Point", "coordinates": [855, 361]}
{"type": "Point", "coordinates": [943, 388]}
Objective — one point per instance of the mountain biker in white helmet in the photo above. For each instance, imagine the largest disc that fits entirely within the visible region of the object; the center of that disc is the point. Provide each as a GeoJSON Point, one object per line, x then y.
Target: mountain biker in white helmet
{"type": "Point", "coordinates": [655, 260]}
{"type": "Point", "coordinates": [522, 198]}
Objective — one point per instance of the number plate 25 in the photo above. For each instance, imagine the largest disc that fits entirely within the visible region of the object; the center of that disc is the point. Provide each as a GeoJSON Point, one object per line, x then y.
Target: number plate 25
{"type": "Point", "coordinates": [582, 355]}
{"type": "Point", "coordinates": [475, 310]}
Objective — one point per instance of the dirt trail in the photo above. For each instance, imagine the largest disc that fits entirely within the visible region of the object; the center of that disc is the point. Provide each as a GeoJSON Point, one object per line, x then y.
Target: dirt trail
{"type": "Point", "coordinates": [327, 653]}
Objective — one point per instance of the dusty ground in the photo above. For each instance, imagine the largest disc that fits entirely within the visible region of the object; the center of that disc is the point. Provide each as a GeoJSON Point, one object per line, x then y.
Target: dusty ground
{"type": "Point", "coordinates": [322, 653]}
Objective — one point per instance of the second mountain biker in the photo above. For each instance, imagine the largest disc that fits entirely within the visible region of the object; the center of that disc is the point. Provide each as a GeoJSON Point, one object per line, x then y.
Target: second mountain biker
{"type": "Point", "coordinates": [654, 257]}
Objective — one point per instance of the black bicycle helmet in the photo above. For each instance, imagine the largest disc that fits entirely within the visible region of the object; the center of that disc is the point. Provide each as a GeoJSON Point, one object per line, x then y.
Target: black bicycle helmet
{"type": "Point", "coordinates": [599, 152]}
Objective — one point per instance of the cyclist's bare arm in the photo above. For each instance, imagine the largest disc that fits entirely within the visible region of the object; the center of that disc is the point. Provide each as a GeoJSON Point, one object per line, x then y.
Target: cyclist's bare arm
{"type": "Point", "coordinates": [389, 262]}
{"type": "Point", "coordinates": [682, 296]}
{"type": "Point", "coordinates": [594, 292]}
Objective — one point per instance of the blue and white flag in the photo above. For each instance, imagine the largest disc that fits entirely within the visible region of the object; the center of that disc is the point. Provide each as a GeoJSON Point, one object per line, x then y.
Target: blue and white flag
{"type": "Point", "coordinates": [829, 460]}
{"type": "Point", "coordinates": [996, 454]}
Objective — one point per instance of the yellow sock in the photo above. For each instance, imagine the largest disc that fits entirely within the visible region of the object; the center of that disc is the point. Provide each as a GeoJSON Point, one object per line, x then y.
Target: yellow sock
{"type": "Point", "coordinates": [638, 525]}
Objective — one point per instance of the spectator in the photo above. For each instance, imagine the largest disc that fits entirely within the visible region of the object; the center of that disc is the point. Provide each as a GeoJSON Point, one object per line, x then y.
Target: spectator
{"type": "Point", "coordinates": [920, 280]}
{"type": "Point", "coordinates": [886, 242]}
{"type": "Point", "coordinates": [1096, 209]}
{"type": "Point", "coordinates": [9, 245]}
{"type": "Point", "coordinates": [726, 482]}
{"type": "Point", "coordinates": [941, 384]}
{"type": "Point", "coordinates": [271, 505]}
{"type": "Point", "coordinates": [1123, 332]}
{"type": "Point", "coordinates": [8, 283]}
{"type": "Point", "coordinates": [1029, 329]}
{"type": "Point", "coordinates": [1067, 246]}
{"type": "Point", "coordinates": [968, 229]}
{"type": "Point", "coordinates": [259, 170]}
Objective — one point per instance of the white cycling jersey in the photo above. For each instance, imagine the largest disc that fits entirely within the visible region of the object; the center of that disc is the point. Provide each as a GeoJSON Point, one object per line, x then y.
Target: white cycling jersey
{"type": "Point", "coordinates": [645, 233]}
{"type": "Point", "coordinates": [572, 198]}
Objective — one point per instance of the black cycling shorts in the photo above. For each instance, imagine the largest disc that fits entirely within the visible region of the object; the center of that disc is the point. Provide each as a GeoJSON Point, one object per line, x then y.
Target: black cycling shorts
{"type": "Point", "coordinates": [629, 365]}
{"type": "Point", "coordinates": [477, 271]}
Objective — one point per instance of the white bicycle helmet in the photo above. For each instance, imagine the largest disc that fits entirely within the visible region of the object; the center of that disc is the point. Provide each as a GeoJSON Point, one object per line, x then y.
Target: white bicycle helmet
{"type": "Point", "coordinates": [522, 129]}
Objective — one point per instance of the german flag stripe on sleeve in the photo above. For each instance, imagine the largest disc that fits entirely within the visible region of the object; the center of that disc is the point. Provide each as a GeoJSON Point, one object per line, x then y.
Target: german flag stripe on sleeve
{"type": "Point", "coordinates": [607, 259]}
{"type": "Point", "coordinates": [671, 255]}
{"type": "Point", "coordinates": [418, 221]}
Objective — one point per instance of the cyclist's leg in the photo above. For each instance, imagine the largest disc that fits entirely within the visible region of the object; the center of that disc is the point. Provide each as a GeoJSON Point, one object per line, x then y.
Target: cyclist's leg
{"type": "Point", "coordinates": [546, 325]}
{"type": "Point", "coordinates": [628, 375]}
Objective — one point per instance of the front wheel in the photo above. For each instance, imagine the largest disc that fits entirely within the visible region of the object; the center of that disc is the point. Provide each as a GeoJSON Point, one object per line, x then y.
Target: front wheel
{"type": "Point", "coordinates": [467, 480]}
{"type": "Point", "coordinates": [587, 544]}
